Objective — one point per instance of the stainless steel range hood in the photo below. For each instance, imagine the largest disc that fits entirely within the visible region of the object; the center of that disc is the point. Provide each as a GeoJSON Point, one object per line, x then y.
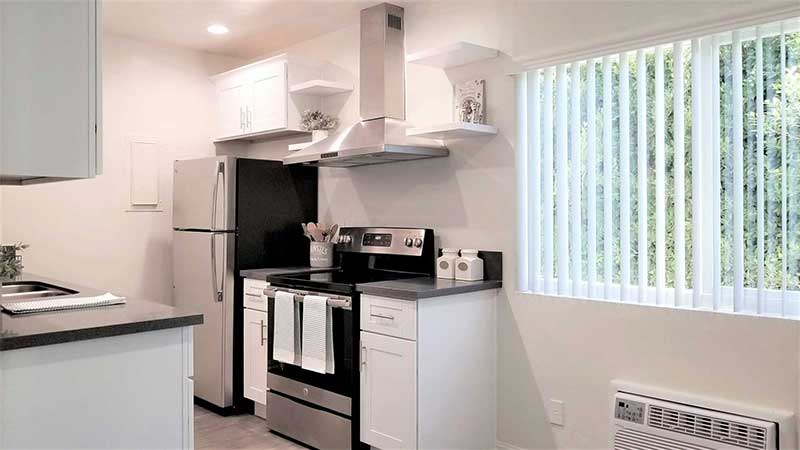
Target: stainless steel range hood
{"type": "Point", "coordinates": [380, 137]}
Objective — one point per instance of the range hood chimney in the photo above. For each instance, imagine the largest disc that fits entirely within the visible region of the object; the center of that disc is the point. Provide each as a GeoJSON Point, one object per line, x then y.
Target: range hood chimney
{"type": "Point", "coordinates": [380, 136]}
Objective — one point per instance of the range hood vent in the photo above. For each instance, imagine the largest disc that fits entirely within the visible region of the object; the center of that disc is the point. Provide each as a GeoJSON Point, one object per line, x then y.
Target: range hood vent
{"type": "Point", "coordinates": [380, 137]}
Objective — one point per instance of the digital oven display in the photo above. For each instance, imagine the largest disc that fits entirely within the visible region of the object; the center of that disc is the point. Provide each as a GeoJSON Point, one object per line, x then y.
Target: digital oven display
{"type": "Point", "coordinates": [377, 240]}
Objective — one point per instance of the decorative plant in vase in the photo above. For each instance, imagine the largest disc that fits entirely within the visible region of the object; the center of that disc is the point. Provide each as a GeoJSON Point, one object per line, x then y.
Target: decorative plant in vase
{"type": "Point", "coordinates": [10, 262]}
{"type": "Point", "coordinates": [318, 123]}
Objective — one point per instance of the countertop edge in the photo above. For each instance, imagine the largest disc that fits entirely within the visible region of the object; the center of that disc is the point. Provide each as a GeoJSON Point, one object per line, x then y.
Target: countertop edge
{"type": "Point", "coordinates": [84, 334]}
{"type": "Point", "coordinates": [408, 294]}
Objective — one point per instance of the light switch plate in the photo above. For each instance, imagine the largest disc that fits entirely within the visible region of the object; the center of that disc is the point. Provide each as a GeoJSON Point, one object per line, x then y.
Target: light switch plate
{"type": "Point", "coordinates": [556, 412]}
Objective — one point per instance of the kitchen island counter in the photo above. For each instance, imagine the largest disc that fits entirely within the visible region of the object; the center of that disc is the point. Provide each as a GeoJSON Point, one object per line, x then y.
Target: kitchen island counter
{"type": "Point", "coordinates": [47, 328]}
{"type": "Point", "coordinates": [86, 375]}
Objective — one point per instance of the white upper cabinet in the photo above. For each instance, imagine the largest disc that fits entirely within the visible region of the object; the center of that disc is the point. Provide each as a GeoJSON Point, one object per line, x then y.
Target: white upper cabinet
{"type": "Point", "coordinates": [232, 99]}
{"type": "Point", "coordinates": [267, 111]}
{"type": "Point", "coordinates": [49, 90]}
{"type": "Point", "coordinates": [254, 101]}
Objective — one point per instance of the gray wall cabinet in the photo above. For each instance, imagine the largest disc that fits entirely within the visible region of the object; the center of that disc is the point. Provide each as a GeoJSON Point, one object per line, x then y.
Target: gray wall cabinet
{"type": "Point", "coordinates": [50, 90]}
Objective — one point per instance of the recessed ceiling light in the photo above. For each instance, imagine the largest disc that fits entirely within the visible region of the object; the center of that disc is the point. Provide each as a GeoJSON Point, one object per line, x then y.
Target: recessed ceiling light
{"type": "Point", "coordinates": [217, 29]}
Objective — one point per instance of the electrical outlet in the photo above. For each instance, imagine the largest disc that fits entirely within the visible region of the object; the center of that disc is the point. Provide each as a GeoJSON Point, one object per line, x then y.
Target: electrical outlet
{"type": "Point", "coordinates": [557, 412]}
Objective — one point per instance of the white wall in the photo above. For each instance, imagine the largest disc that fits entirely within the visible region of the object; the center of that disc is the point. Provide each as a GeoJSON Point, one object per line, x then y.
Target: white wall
{"type": "Point", "coordinates": [566, 349]}
{"type": "Point", "coordinates": [79, 230]}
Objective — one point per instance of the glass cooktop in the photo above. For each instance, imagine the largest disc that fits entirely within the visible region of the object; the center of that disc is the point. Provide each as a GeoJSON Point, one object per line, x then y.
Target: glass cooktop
{"type": "Point", "coordinates": [338, 280]}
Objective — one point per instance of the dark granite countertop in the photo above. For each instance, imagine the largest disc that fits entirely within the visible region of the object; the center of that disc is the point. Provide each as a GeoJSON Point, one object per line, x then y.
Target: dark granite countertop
{"type": "Point", "coordinates": [135, 316]}
{"type": "Point", "coordinates": [262, 274]}
{"type": "Point", "coordinates": [425, 287]}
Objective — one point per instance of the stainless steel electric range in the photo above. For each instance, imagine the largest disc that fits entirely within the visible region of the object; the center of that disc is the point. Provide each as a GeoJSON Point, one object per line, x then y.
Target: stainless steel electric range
{"type": "Point", "coordinates": [321, 410]}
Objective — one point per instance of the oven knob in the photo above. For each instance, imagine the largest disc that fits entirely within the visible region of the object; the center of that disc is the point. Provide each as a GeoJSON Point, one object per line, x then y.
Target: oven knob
{"type": "Point", "coordinates": [345, 239]}
{"type": "Point", "coordinates": [409, 242]}
{"type": "Point", "coordinates": [418, 242]}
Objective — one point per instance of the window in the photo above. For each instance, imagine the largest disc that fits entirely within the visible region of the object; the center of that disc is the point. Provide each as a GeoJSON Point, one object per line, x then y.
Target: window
{"type": "Point", "coordinates": [668, 175]}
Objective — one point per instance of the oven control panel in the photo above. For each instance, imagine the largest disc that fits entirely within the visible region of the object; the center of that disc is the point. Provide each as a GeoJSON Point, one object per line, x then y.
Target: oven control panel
{"type": "Point", "coordinates": [387, 241]}
{"type": "Point", "coordinates": [377, 240]}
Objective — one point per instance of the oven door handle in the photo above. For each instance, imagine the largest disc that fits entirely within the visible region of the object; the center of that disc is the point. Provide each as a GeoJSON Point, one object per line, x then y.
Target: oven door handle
{"type": "Point", "coordinates": [333, 301]}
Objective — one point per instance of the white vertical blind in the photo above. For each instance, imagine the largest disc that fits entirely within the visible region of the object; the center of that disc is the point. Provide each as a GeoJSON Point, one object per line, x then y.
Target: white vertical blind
{"type": "Point", "coordinates": [575, 177]}
{"type": "Point", "coordinates": [582, 189]}
{"type": "Point", "coordinates": [784, 190]}
{"type": "Point", "coordinates": [534, 191]}
{"type": "Point", "coordinates": [608, 219]}
{"type": "Point", "coordinates": [738, 174]}
{"type": "Point", "coordinates": [697, 174]}
{"type": "Point", "coordinates": [522, 199]}
{"type": "Point", "coordinates": [716, 161]}
{"type": "Point", "coordinates": [548, 239]}
{"type": "Point", "coordinates": [760, 170]}
{"type": "Point", "coordinates": [660, 178]}
{"type": "Point", "coordinates": [641, 174]}
{"type": "Point", "coordinates": [562, 184]}
{"type": "Point", "coordinates": [591, 180]}
{"type": "Point", "coordinates": [679, 165]}
{"type": "Point", "coordinates": [624, 178]}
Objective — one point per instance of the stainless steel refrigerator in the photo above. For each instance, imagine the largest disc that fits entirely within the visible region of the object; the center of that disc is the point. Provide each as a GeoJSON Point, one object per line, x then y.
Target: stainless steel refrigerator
{"type": "Point", "coordinates": [231, 214]}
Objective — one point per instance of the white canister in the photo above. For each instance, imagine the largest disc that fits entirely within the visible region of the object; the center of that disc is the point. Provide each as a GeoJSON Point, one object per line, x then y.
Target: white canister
{"type": "Point", "coordinates": [469, 267]}
{"type": "Point", "coordinates": [446, 264]}
{"type": "Point", "coordinates": [321, 254]}
{"type": "Point", "coordinates": [318, 135]}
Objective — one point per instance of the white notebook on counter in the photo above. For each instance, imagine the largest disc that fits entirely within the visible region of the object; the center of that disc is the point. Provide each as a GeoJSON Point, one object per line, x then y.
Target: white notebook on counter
{"type": "Point", "coordinates": [59, 304]}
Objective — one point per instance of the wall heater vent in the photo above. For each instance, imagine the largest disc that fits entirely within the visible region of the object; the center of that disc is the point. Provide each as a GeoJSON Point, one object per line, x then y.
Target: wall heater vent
{"type": "Point", "coordinates": [715, 428]}
{"type": "Point", "coordinates": [645, 423]}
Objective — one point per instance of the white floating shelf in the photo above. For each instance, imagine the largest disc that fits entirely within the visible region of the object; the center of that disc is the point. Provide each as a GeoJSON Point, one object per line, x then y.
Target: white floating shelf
{"type": "Point", "coordinates": [456, 130]}
{"type": "Point", "coordinates": [322, 88]}
{"type": "Point", "coordinates": [452, 55]}
{"type": "Point", "coordinates": [300, 146]}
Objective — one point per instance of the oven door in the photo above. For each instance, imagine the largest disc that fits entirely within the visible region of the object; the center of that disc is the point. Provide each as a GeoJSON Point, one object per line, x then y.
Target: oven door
{"type": "Point", "coordinates": [330, 391]}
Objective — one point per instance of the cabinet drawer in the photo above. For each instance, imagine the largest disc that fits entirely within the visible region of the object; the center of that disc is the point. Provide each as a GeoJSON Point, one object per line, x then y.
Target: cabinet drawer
{"type": "Point", "coordinates": [389, 316]}
{"type": "Point", "coordinates": [254, 294]}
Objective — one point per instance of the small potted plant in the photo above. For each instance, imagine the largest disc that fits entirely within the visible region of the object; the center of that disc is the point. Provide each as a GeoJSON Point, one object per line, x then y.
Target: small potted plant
{"type": "Point", "coordinates": [318, 123]}
{"type": "Point", "coordinates": [10, 262]}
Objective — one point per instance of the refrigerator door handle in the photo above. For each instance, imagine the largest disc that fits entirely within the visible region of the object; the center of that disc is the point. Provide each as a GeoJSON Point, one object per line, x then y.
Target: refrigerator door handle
{"type": "Point", "coordinates": [220, 170]}
{"type": "Point", "coordinates": [218, 293]}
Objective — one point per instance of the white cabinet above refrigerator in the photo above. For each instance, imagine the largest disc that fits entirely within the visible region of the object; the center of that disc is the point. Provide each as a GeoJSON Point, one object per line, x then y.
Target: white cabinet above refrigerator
{"type": "Point", "coordinates": [254, 102]}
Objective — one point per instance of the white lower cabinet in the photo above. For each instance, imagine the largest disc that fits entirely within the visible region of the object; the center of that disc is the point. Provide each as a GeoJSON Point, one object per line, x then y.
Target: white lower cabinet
{"type": "Point", "coordinates": [428, 372]}
{"type": "Point", "coordinates": [132, 391]}
{"type": "Point", "coordinates": [255, 340]}
{"type": "Point", "coordinates": [255, 355]}
{"type": "Point", "coordinates": [388, 391]}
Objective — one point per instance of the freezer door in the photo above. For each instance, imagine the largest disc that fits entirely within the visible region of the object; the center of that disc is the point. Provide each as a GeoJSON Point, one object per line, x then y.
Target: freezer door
{"type": "Point", "coordinates": [203, 282]}
{"type": "Point", "coordinates": [204, 194]}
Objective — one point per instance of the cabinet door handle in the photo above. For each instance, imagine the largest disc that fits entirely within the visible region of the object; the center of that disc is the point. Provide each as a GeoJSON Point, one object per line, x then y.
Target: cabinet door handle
{"type": "Point", "coordinates": [382, 316]}
{"type": "Point", "coordinates": [241, 118]}
{"type": "Point", "coordinates": [363, 358]}
{"type": "Point", "coordinates": [249, 118]}
{"type": "Point", "coordinates": [263, 333]}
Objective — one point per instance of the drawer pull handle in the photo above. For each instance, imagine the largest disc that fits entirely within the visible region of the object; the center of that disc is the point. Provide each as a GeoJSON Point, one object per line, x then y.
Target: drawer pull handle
{"type": "Point", "coordinates": [382, 316]}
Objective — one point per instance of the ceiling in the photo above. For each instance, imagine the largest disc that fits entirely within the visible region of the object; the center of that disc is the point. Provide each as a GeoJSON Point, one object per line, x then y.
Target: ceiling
{"type": "Point", "coordinates": [257, 27]}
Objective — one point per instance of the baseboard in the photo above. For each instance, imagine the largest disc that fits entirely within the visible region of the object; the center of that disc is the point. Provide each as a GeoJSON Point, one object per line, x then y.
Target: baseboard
{"type": "Point", "coordinates": [506, 446]}
{"type": "Point", "coordinates": [260, 410]}
{"type": "Point", "coordinates": [228, 411]}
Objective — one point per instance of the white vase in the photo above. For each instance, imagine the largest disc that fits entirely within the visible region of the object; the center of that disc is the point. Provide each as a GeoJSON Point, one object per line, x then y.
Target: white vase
{"type": "Point", "coordinates": [318, 135]}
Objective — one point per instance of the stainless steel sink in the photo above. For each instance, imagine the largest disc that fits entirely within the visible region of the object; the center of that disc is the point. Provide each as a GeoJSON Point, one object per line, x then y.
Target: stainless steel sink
{"type": "Point", "coordinates": [26, 290]}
